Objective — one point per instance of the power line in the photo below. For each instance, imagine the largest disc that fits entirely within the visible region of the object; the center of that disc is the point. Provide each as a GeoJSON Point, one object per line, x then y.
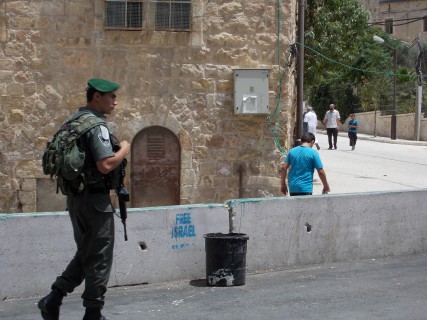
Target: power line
{"type": "Point", "coordinates": [409, 20]}
{"type": "Point", "coordinates": [349, 66]}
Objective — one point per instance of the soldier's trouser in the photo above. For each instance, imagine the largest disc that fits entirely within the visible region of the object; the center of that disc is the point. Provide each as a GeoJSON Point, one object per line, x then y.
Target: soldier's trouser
{"type": "Point", "coordinates": [93, 224]}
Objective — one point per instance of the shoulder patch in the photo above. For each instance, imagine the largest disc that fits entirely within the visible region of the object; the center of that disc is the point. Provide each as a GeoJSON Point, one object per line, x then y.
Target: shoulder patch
{"type": "Point", "coordinates": [104, 136]}
{"type": "Point", "coordinates": [105, 133]}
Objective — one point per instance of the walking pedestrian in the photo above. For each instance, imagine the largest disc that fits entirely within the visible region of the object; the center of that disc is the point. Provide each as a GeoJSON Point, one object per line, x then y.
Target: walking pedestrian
{"type": "Point", "coordinates": [311, 119]}
{"type": "Point", "coordinates": [91, 211]}
{"type": "Point", "coordinates": [304, 122]}
{"type": "Point", "coordinates": [301, 162]}
{"type": "Point", "coordinates": [331, 121]}
{"type": "Point", "coordinates": [352, 131]}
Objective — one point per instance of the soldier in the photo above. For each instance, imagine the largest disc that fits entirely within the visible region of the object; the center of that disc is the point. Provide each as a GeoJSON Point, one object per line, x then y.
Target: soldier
{"type": "Point", "coordinates": [91, 211]}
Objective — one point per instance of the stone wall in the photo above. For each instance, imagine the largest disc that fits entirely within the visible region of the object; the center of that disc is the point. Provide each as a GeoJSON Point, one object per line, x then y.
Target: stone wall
{"type": "Point", "coordinates": [182, 81]}
{"type": "Point", "coordinates": [376, 124]}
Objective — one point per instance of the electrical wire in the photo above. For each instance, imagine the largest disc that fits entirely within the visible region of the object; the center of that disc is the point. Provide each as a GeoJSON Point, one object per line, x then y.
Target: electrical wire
{"type": "Point", "coordinates": [409, 21]}
{"type": "Point", "coordinates": [349, 66]}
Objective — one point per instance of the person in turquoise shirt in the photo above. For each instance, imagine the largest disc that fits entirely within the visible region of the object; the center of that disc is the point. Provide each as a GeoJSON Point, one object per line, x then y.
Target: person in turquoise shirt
{"type": "Point", "coordinates": [352, 131]}
{"type": "Point", "coordinates": [301, 162]}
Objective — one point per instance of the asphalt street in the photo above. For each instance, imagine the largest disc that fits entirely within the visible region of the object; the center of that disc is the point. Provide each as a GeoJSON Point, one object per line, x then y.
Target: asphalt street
{"type": "Point", "coordinates": [391, 288]}
{"type": "Point", "coordinates": [388, 289]}
{"type": "Point", "coordinates": [377, 164]}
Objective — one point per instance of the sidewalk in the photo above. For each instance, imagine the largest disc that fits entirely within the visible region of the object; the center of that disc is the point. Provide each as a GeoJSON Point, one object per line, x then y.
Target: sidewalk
{"type": "Point", "coordinates": [387, 289]}
{"type": "Point", "coordinates": [363, 136]}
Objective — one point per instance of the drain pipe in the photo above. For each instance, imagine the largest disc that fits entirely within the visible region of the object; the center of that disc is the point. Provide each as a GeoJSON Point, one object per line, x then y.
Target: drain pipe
{"type": "Point", "coordinates": [240, 171]}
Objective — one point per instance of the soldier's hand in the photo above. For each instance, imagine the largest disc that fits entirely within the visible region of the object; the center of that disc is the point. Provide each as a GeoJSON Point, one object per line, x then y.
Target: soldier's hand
{"type": "Point", "coordinates": [125, 146]}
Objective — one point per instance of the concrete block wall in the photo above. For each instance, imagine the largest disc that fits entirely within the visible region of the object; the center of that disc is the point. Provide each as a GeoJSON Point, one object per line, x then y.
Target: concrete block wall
{"type": "Point", "coordinates": [374, 123]}
{"type": "Point", "coordinates": [167, 244]}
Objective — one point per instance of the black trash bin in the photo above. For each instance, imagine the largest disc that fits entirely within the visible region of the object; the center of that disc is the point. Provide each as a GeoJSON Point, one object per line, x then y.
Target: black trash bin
{"type": "Point", "coordinates": [225, 259]}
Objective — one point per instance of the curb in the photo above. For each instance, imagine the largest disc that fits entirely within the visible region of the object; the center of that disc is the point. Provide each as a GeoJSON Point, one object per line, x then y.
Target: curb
{"type": "Point", "coordinates": [362, 136]}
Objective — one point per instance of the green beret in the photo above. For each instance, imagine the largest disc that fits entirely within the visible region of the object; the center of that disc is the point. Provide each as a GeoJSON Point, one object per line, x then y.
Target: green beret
{"type": "Point", "coordinates": [103, 85]}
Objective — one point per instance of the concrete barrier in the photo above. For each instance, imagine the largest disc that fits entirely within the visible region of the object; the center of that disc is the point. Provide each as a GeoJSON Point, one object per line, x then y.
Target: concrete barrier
{"type": "Point", "coordinates": [167, 244]}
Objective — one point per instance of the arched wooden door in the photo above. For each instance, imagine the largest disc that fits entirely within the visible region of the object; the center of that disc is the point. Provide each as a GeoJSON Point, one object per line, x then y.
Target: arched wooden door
{"type": "Point", "coordinates": [155, 172]}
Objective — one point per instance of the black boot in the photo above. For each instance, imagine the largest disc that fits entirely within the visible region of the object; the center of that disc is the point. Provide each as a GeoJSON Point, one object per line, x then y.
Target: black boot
{"type": "Point", "coordinates": [49, 305]}
{"type": "Point", "coordinates": [93, 314]}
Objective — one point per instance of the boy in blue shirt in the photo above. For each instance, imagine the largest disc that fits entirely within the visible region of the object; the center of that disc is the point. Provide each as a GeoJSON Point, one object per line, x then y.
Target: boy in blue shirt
{"type": "Point", "coordinates": [352, 131]}
{"type": "Point", "coordinates": [301, 162]}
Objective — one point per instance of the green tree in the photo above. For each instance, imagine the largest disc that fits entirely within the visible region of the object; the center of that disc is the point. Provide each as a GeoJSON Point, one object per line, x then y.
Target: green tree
{"type": "Point", "coordinates": [343, 65]}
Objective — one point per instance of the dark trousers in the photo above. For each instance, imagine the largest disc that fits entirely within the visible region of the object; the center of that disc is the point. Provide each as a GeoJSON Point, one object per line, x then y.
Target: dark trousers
{"type": "Point", "coordinates": [353, 138]}
{"type": "Point", "coordinates": [332, 132]}
{"type": "Point", "coordinates": [93, 225]}
{"type": "Point", "coordinates": [300, 193]}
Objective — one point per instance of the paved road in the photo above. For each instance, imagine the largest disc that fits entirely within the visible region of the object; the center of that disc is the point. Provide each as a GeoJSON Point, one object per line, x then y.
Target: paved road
{"type": "Point", "coordinates": [373, 166]}
{"type": "Point", "coordinates": [386, 289]}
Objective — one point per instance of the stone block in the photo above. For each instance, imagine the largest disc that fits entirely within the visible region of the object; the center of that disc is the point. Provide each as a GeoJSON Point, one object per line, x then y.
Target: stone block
{"type": "Point", "coordinates": [5, 75]}
{"type": "Point", "coordinates": [3, 29]}
{"type": "Point", "coordinates": [231, 8]}
{"type": "Point", "coordinates": [29, 169]}
{"type": "Point", "coordinates": [186, 159]}
{"type": "Point", "coordinates": [23, 22]}
{"type": "Point", "coordinates": [224, 168]}
{"type": "Point", "coordinates": [216, 141]}
{"type": "Point", "coordinates": [15, 89]}
{"type": "Point", "coordinates": [188, 177]}
{"type": "Point", "coordinates": [28, 184]}
{"type": "Point", "coordinates": [200, 152]}
{"type": "Point", "coordinates": [17, 115]}
{"type": "Point", "coordinates": [224, 86]}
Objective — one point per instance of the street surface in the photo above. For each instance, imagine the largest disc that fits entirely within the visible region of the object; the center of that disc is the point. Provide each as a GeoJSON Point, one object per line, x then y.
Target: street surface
{"type": "Point", "coordinates": [375, 289]}
{"type": "Point", "coordinates": [372, 166]}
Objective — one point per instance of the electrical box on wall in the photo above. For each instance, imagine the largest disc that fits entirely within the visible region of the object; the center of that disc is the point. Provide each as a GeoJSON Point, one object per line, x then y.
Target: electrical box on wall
{"type": "Point", "coordinates": [251, 91]}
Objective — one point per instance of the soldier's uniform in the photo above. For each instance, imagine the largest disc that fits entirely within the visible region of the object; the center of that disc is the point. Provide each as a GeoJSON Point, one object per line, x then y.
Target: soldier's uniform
{"type": "Point", "coordinates": [91, 214]}
{"type": "Point", "coordinates": [92, 217]}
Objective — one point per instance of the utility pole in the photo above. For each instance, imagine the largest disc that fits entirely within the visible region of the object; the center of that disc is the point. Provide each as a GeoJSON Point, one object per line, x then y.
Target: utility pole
{"type": "Point", "coordinates": [418, 103]}
{"type": "Point", "coordinates": [393, 115]}
{"type": "Point", "coordinates": [300, 74]}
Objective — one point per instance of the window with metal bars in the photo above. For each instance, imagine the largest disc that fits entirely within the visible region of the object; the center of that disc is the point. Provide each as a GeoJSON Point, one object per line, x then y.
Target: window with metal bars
{"type": "Point", "coordinates": [388, 26]}
{"type": "Point", "coordinates": [123, 14]}
{"type": "Point", "coordinates": [174, 15]}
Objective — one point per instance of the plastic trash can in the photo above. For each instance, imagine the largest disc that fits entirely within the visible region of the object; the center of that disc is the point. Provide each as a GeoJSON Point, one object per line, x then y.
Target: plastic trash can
{"type": "Point", "coordinates": [225, 259]}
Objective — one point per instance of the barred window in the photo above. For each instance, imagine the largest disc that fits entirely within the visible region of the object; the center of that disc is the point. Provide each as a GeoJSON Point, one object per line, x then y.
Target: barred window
{"type": "Point", "coordinates": [172, 14]}
{"type": "Point", "coordinates": [388, 25]}
{"type": "Point", "coordinates": [123, 14]}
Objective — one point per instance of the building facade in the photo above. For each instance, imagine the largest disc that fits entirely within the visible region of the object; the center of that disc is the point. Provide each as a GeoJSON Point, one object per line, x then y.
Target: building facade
{"type": "Point", "coordinates": [403, 19]}
{"type": "Point", "coordinates": [176, 63]}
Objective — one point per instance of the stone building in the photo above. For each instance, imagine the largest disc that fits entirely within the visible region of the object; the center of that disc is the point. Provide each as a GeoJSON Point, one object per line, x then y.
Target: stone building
{"type": "Point", "coordinates": [176, 62]}
{"type": "Point", "coordinates": [403, 19]}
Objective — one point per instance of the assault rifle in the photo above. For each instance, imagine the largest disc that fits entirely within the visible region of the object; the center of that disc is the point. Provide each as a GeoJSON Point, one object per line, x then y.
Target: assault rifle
{"type": "Point", "coordinates": [123, 196]}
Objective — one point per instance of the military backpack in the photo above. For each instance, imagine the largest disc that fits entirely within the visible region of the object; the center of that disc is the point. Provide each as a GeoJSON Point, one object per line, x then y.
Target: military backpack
{"type": "Point", "coordinates": [64, 157]}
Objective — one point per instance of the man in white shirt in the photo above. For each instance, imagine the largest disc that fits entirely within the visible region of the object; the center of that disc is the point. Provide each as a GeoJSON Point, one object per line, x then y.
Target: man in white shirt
{"type": "Point", "coordinates": [331, 122]}
{"type": "Point", "coordinates": [311, 119]}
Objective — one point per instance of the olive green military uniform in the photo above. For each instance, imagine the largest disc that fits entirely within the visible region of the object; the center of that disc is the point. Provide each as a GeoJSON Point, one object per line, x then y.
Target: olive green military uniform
{"type": "Point", "coordinates": [92, 218]}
